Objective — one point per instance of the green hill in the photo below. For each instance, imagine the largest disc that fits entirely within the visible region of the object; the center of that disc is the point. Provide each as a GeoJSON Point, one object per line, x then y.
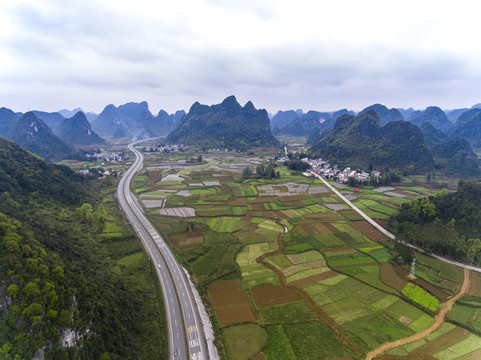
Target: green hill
{"type": "Point", "coordinates": [362, 141]}
{"type": "Point", "coordinates": [56, 270]}
{"type": "Point", "coordinates": [77, 131]}
{"type": "Point", "coordinates": [456, 158]}
{"type": "Point", "coordinates": [224, 125]}
{"type": "Point", "coordinates": [8, 120]}
{"type": "Point", "coordinates": [435, 115]}
{"type": "Point", "coordinates": [34, 135]}
{"type": "Point", "coordinates": [469, 127]}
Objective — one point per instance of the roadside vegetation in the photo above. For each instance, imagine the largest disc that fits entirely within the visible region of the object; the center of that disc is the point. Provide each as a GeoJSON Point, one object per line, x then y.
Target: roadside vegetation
{"type": "Point", "coordinates": [75, 281]}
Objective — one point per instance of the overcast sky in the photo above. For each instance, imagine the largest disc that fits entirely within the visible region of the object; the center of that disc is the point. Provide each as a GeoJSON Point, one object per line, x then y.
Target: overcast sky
{"type": "Point", "coordinates": [281, 54]}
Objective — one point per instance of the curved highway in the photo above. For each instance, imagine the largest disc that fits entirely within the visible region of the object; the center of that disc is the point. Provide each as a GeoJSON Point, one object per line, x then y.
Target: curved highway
{"type": "Point", "coordinates": [185, 332]}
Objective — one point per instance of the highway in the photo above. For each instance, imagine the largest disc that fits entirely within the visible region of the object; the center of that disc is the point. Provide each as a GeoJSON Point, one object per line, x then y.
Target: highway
{"type": "Point", "coordinates": [185, 331]}
{"type": "Point", "coordinates": [387, 233]}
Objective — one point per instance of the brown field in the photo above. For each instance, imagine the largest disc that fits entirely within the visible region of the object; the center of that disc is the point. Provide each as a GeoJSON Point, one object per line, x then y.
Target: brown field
{"type": "Point", "coordinates": [313, 279]}
{"type": "Point", "coordinates": [336, 249]}
{"type": "Point", "coordinates": [259, 356]}
{"type": "Point", "coordinates": [374, 235]}
{"type": "Point", "coordinates": [442, 342]}
{"type": "Point", "coordinates": [186, 238]}
{"type": "Point", "coordinates": [309, 229]}
{"type": "Point", "coordinates": [257, 207]}
{"type": "Point", "coordinates": [154, 176]}
{"type": "Point", "coordinates": [264, 199]}
{"type": "Point", "coordinates": [475, 355]}
{"type": "Point", "coordinates": [345, 250]}
{"type": "Point", "coordinates": [424, 284]}
{"type": "Point", "coordinates": [354, 265]}
{"type": "Point", "coordinates": [475, 288]}
{"type": "Point", "coordinates": [294, 204]}
{"type": "Point", "coordinates": [325, 228]}
{"type": "Point", "coordinates": [381, 222]}
{"type": "Point", "coordinates": [390, 277]}
{"type": "Point", "coordinates": [238, 202]}
{"type": "Point", "coordinates": [268, 295]}
{"type": "Point", "coordinates": [327, 216]}
{"type": "Point", "coordinates": [295, 197]}
{"type": "Point", "coordinates": [407, 357]}
{"type": "Point", "coordinates": [363, 225]}
{"type": "Point", "coordinates": [231, 303]}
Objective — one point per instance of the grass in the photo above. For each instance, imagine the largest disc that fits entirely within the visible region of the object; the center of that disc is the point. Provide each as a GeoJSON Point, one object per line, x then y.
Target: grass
{"type": "Point", "coordinates": [465, 346]}
{"type": "Point", "coordinates": [462, 314]}
{"type": "Point", "coordinates": [314, 340]}
{"type": "Point", "coordinates": [279, 346]}
{"type": "Point", "coordinates": [225, 224]}
{"type": "Point", "coordinates": [446, 270]}
{"type": "Point", "coordinates": [421, 297]}
{"type": "Point", "coordinates": [287, 313]}
{"type": "Point", "coordinates": [373, 330]}
{"type": "Point", "coordinates": [245, 340]}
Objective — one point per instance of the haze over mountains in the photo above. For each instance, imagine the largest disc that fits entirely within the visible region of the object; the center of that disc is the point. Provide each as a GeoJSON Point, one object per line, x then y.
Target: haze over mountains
{"type": "Point", "coordinates": [134, 120]}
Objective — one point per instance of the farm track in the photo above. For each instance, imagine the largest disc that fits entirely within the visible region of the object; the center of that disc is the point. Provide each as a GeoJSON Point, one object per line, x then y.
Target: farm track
{"type": "Point", "coordinates": [438, 321]}
{"type": "Point", "coordinates": [326, 318]}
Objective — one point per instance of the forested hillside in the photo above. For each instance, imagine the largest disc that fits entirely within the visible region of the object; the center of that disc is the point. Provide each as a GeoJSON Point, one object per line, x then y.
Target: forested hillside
{"type": "Point", "coordinates": [362, 141]}
{"type": "Point", "coordinates": [446, 223]}
{"type": "Point", "coordinates": [228, 125]}
{"type": "Point", "coordinates": [63, 295]}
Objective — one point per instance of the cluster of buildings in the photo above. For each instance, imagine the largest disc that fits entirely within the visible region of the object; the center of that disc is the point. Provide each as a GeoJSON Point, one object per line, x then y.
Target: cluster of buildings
{"type": "Point", "coordinates": [165, 148]}
{"type": "Point", "coordinates": [224, 150]}
{"type": "Point", "coordinates": [112, 157]}
{"type": "Point", "coordinates": [324, 168]}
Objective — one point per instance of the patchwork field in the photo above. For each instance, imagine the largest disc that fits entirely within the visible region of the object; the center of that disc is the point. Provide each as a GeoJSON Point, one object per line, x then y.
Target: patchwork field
{"type": "Point", "coordinates": [290, 272]}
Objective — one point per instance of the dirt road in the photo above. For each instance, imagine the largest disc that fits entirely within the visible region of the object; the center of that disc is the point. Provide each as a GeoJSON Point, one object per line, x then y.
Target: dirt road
{"type": "Point", "coordinates": [438, 321]}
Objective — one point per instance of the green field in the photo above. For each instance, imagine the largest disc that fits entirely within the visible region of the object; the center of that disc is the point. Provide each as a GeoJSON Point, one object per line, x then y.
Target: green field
{"type": "Point", "coordinates": [421, 297]}
{"type": "Point", "coordinates": [244, 341]}
{"type": "Point", "coordinates": [239, 226]}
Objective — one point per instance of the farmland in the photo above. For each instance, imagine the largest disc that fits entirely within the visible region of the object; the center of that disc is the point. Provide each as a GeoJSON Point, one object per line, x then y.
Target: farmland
{"type": "Point", "coordinates": [287, 270]}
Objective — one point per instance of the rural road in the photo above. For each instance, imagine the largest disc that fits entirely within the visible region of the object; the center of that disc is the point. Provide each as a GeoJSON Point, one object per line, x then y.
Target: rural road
{"type": "Point", "coordinates": [438, 321]}
{"type": "Point", "coordinates": [185, 330]}
{"type": "Point", "coordinates": [387, 233]}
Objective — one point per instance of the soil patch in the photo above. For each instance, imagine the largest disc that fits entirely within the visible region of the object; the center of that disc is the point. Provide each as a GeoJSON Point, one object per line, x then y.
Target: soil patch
{"type": "Point", "coordinates": [259, 356]}
{"type": "Point", "coordinates": [355, 265]}
{"type": "Point", "coordinates": [231, 303]}
{"type": "Point", "coordinates": [363, 225]}
{"type": "Point", "coordinates": [186, 238]}
{"type": "Point", "coordinates": [309, 229]}
{"type": "Point", "coordinates": [324, 228]}
{"type": "Point", "coordinates": [337, 249]}
{"type": "Point", "coordinates": [475, 288]}
{"type": "Point", "coordinates": [268, 295]}
{"type": "Point", "coordinates": [313, 279]}
{"type": "Point", "coordinates": [390, 277]}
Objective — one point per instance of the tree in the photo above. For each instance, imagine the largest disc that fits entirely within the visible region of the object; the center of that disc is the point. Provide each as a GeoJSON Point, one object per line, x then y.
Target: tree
{"type": "Point", "coordinates": [101, 214]}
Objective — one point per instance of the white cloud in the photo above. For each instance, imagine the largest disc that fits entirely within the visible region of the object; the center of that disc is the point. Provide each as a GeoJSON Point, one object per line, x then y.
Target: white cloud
{"type": "Point", "coordinates": [280, 54]}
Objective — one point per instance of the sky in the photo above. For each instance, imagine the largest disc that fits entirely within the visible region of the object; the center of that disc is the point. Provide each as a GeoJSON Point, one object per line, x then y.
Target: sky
{"type": "Point", "coordinates": [280, 54]}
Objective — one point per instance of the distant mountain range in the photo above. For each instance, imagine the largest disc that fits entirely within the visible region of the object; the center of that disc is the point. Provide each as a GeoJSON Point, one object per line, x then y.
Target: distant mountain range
{"type": "Point", "coordinates": [134, 120]}
{"type": "Point", "coordinates": [299, 124]}
{"type": "Point", "coordinates": [224, 125]}
{"type": "Point", "coordinates": [385, 115]}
